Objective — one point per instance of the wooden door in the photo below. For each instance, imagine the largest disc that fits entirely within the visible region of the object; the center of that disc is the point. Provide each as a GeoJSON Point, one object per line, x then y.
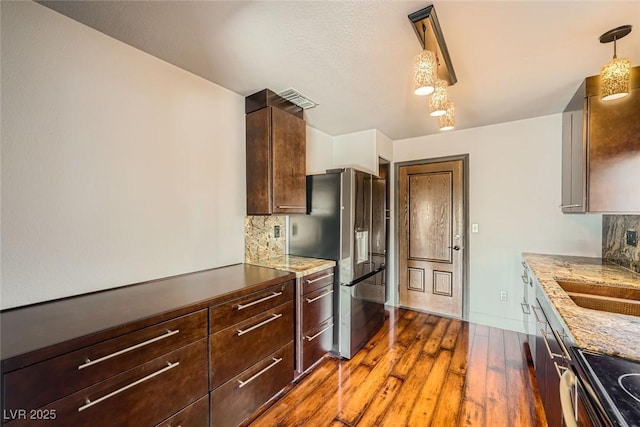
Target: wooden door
{"type": "Point", "coordinates": [430, 237]}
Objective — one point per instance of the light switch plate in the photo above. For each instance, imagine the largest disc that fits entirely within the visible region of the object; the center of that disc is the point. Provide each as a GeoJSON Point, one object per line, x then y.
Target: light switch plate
{"type": "Point", "coordinates": [474, 228]}
{"type": "Point", "coordinates": [632, 238]}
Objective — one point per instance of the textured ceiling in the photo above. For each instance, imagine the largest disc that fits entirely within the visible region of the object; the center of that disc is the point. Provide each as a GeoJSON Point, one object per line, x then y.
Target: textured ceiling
{"type": "Point", "coordinates": [513, 59]}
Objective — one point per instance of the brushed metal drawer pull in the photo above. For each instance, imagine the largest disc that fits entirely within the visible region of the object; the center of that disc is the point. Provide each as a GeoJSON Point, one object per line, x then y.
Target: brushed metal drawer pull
{"type": "Point", "coordinates": [291, 207]}
{"type": "Point", "coordinates": [244, 383]}
{"type": "Point", "coordinates": [90, 362]}
{"type": "Point", "coordinates": [320, 278]}
{"type": "Point", "coordinates": [90, 403]}
{"type": "Point", "coordinates": [558, 368]}
{"type": "Point", "coordinates": [563, 347]}
{"type": "Point", "coordinates": [570, 206]}
{"type": "Point", "coordinates": [258, 301]}
{"type": "Point", "coordinates": [264, 322]}
{"type": "Point", "coordinates": [525, 279]}
{"type": "Point", "coordinates": [546, 343]}
{"type": "Point", "coordinates": [310, 300]}
{"type": "Point", "coordinates": [524, 264]}
{"type": "Point", "coordinates": [535, 313]}
{"type": "Point", "coordinates": [308, 338]}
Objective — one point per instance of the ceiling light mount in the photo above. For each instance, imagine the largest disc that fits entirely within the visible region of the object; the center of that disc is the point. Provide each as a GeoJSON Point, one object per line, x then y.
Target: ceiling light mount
{"type": "Point", "coordinates": [615, 75]}
{"type": "Point", "coordinates": [427, 28]}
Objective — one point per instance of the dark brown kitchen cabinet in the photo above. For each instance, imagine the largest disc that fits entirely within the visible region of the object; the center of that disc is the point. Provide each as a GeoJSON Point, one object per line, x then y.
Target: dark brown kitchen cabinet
{"type": "Point", "coordinates": [139, 355]}
{"type": "Point", "coordinates": [601, 150]}
{"type": "Point", "coordinates": [276, 157]}
{"type": "Point", "coordinates": [251, 352]}
{"type": "Point", "coordinates": [315, 321]}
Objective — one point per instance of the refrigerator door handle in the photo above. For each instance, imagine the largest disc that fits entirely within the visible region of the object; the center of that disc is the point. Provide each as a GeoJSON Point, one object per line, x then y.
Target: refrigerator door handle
{"type": "Point", "coordinates": [365, 277]}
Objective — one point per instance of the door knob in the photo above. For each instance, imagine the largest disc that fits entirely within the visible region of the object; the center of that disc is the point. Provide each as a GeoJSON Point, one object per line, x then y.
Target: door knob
{"type": "Point", "coordinates": [455, 248]}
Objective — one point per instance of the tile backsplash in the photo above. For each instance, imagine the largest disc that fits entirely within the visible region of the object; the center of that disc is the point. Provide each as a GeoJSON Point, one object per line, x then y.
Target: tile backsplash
{"type": "Point", "coordinates": [614, 241]}
{"type": "Point", "coordinates": [260, 242]}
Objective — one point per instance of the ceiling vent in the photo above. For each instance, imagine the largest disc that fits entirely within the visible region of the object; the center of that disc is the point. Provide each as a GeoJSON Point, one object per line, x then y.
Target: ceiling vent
{"type": "Point", "coordinates": [297, 98]}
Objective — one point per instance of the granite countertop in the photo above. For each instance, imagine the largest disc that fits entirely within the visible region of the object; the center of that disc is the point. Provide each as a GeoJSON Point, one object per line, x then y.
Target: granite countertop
{"type": "Point", "coordinates": [610, 333]}
{"type": "Point", "coordinates": [301, 266]}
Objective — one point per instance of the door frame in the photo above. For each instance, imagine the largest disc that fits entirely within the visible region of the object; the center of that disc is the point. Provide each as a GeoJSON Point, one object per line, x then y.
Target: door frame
{"type": "Point", "coordinates": [465, 221]}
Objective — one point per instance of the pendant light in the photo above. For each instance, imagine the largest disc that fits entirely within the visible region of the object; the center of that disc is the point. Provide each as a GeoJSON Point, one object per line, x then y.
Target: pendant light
{"type": "Point", "coordinates": [448, 119]}
{"type": "Point", "coordinates": [614, 76]}
{"type": "Point", "coordinates": [438, 101]}
{"type": "Point", "coordinates": [425, 69]}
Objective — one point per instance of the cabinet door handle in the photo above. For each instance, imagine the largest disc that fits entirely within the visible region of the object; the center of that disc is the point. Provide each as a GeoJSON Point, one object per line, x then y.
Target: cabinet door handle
{"type": "Point", "coordinates": [546, 343]}
{"type": "Point", "coordinates": [525, 279]}
{"type": "Point", "coordinates": [320, 278]}
{"type": "Point", "coordinates": [308, 338]}
{"type": "Point", "coordinates": [310, 300]}
{"type": "Point", "coordinates": [258, 301]}
{"type": "Point", "coordinates": [90, 403]}
{"type": "Point", "coordinates": [89, 362]}
{"type": "Point", "coordinates": [570, 206]}
{"type": "Point", "coordinates": [560, 368]}
{"type": "Point", "coordinates": [275, 362]}
{"type": "Point", "coordinates": [291, 207]}
{"type": "Point", "coordinates": [256, 326]}
{"type": "Point", "coordinates": [525, 308]}
{"type": "Point", "coordinates": [535, 313]}
{"type": "Point", "coordinates": [563, 347]}
{"type": "Point", "coordinates": [524, 264]}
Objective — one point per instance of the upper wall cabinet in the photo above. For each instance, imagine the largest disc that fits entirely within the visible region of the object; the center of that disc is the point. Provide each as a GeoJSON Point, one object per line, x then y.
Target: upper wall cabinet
{"type": "Point", "coordinates": [276, 155]}
{"type": "Point", "coordinates": [601, 150]}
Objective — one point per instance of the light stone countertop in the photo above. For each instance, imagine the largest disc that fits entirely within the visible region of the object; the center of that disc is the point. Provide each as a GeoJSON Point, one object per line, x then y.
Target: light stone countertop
{"type": "Point", "coordinates": [301, 266]}
{"type": "Point", "coordinates": [610, 333]}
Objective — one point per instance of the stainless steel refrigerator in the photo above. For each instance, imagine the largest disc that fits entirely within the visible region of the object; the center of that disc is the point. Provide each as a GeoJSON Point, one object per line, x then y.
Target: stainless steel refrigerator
{"type": "Point", "coordinates": [346, 223]}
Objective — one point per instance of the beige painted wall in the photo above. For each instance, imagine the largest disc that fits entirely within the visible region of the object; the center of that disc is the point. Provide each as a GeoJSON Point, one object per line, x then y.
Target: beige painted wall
{"type": "Point", "coordinates": [515, 177]}
{"type": "Point", "coordinates": [117, 167]}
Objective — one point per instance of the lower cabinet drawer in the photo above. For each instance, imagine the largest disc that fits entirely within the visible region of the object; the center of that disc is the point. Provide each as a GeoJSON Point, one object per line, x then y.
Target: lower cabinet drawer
{"type": "Point", "coordinates": [316, 343]}
{"type": "Point", "coordinates": [142, 396]}
{"type": "Point", "coordinates": [317, 306]}
{"type": "Point", "coordinates": [235, 349]}
{"type": "Point", "coordinates": [317, 280]}
{"type": "Point", "coordinates": [44, 382]}
{"type": "Point", "coordinates": [236, 400]}
{"type": "Point", "coordinates": [194, 415]}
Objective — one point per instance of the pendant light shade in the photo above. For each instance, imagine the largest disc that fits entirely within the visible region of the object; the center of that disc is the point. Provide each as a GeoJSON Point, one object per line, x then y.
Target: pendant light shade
{"type": "Point", "coordinates": [425, 72]}
{"type": "Point", "coordinates": [614, 79]}
{"type": "Point", "coordinates": [615, 76]}
{"type": "Point", "coordinates": [448, 119]}
{"type": "Point", "coordinates": [438, 102]}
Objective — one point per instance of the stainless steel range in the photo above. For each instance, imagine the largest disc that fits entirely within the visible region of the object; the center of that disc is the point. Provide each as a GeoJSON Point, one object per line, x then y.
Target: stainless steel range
{"type": "Point", "coordinates": [346, 223]}
{"type": "Point", "coordinates": [613, 385]}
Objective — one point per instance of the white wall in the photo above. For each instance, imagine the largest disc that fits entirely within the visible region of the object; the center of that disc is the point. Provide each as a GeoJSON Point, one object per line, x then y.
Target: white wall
{"type": "Point", "coordinates": [515, 180]}
{"type": "Point", "coordinates": [356, 149]}
{"type": "Point", "coordinates": [319, 151]}
{"type": "Point", "coordinates": [116, 166]}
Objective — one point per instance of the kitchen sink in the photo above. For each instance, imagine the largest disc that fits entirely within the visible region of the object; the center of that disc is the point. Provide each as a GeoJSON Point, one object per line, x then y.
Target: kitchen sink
{"type": "Point", "coordinates": [603, 297]}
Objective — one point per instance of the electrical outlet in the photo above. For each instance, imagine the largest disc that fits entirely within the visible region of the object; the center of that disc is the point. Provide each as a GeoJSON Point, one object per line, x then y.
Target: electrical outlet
{"type": "Point", "coordinates": [632, 238]}
{"type": "Point", "coordinates": [503, 295]}
{"type": "Point", "coordinates": [276, 231]}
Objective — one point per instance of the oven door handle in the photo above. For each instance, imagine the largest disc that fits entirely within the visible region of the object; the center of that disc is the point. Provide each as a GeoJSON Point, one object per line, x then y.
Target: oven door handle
{"type": "Point", "coordinates": [569, 408]}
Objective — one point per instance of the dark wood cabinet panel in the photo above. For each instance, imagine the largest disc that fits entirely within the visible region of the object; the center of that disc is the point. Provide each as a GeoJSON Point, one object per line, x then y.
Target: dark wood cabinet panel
{"type": "Point", "coordinates": [79, 369]}
{"type": "Point", "coordinates": [237, 310]}
{"type": "Point", "coordinates": [194, 415]}
{"type": "Point", "coordinates": [289, 163]}
{"type": "Point", "coordinates": [601, 150]}
{"type": "Point", "coordinates": [316, 343]}
{"type": "Point", "coordinates": [140, 396]}
{"type": "Point", "coordinates": [236, 348]}
{"type": "Point", "coordinates": [317, 280]}
{"type": "Point", "coordinates": [317, 306]}
{"type": "Point", "coordinates": [275, 158]}
{"type": "Point", "coordinates": [236, 400]}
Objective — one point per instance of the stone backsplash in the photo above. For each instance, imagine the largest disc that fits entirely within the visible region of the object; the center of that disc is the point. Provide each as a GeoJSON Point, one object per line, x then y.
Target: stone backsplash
{"type": "Point", "coordinates": [260, 242]}
{"type": "Point", "coordinates": [614, 246]}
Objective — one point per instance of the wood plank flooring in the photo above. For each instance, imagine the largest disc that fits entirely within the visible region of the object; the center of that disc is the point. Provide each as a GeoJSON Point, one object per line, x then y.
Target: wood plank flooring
{"type": "Point", "coordinates": [418, 370]}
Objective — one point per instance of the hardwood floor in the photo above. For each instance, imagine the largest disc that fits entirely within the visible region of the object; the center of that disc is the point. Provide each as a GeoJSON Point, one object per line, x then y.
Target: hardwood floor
{"type": "Point", "coordinates": [418, 370]}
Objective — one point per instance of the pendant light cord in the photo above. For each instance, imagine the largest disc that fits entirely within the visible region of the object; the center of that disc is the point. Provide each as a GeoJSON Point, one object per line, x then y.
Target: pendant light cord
{"type": "Point", "coordinates": [615, 52]}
